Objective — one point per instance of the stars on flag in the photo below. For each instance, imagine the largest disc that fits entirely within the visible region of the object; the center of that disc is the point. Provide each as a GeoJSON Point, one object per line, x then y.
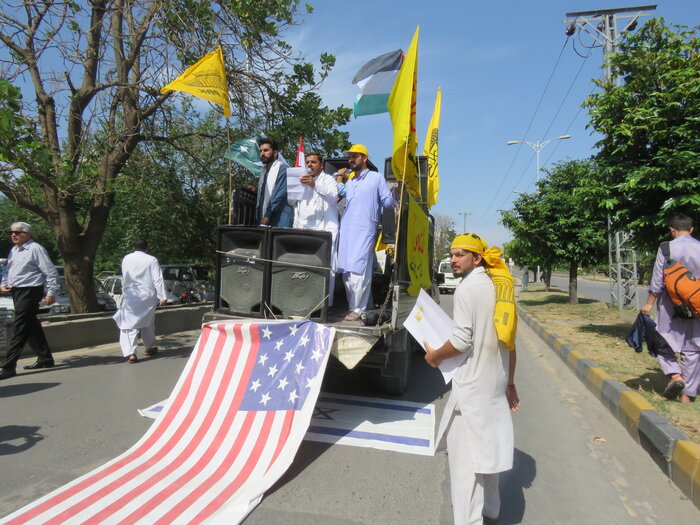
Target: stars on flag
{"type": "Point", "coordinates": [287, 366]}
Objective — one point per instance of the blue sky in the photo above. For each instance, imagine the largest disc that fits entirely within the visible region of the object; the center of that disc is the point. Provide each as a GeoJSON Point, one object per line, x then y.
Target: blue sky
{"type": "Point", "coordinates": [493, 60]}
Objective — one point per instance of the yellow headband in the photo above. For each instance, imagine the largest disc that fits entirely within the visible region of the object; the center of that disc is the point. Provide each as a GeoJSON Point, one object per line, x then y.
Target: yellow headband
{"type": "Point", "coordinates": [473, 243]}
{"type": "Point", "coordinates": [470, 242]}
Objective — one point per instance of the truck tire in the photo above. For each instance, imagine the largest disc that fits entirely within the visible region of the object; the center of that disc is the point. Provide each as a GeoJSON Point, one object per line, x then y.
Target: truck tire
{"type": "Point", "coordinates": [395, 382]}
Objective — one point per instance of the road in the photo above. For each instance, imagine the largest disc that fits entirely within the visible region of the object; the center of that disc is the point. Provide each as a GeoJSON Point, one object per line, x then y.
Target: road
{"type": "Point", "coordinates": [598, 290]}
{"type": "Point", "coordinates": [58, 424]}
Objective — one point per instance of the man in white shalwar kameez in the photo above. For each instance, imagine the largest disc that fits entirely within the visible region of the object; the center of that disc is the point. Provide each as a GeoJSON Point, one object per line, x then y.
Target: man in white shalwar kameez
{"type": "Point", "coordinates": [476, 425]}
{"type": "Point", "coordinates": [365, 194]}
{"type": "Point", "coordinates": [318, 207]}
{"type": "Point", "coordinates": [142, 290]}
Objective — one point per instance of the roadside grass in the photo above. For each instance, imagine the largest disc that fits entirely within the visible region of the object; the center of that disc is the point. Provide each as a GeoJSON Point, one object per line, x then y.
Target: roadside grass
{"type": "Point", "coordinates": [598, 331]}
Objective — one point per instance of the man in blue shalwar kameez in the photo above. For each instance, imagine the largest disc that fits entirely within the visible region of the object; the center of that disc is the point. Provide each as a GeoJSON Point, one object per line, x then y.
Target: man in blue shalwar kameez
{"type": "Point", "coordinates": [366, 194]}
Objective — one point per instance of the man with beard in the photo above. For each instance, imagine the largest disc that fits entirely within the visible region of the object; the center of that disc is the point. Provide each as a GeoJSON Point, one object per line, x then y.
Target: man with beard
{"type": "Point", "coordinates": [272, 208]}
{"type": "Point", "coordinates": [476, 424]}
{"type": "Point", "coordinates": [318, 207]}
{"type": "Point", "coordinates": [366, 193]}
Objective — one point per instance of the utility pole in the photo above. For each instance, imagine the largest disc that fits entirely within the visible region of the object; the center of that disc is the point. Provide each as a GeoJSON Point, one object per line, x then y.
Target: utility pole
{"type": "Point", "coordinates": [601, 25]}
{"type": "Point", "coordinates": [464, 214]}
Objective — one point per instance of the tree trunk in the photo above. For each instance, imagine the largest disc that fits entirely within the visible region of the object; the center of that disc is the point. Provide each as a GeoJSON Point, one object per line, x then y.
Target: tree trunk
{"type": "Point", "coordinates": [548, 278]}
{"type": "Point", "coordinates": [573, 282]}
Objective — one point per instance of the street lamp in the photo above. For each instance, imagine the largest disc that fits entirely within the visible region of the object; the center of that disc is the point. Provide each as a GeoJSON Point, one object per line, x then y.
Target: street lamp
{"type": "Point", "coordinates": [537, 146]}
{"type": "Point", "coordinates": [464, 214]}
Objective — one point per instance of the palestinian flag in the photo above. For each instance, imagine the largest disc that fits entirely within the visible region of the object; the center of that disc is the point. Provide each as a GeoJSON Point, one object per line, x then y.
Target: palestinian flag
{"type": "Point", "coordinates": [375, 80]}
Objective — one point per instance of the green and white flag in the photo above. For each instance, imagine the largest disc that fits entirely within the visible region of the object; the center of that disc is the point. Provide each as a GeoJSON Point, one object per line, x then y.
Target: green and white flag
{"type": "Point", "coordinates": [375, 80]}
{"type": "Point", "coordinates": [246, 152]}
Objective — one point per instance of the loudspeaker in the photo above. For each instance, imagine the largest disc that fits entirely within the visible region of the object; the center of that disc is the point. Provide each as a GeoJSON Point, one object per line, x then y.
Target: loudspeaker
{"type": "Point", "coordinates": [241, 277]}
{"type": "Point", "coordinates": [243, 201]}
{"type": "Point", "coordinates": [299, 273]}
{"type": "Point", "coordinates": [423, 173]}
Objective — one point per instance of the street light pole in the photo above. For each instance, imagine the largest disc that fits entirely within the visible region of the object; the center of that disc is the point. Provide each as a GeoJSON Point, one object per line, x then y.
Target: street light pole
{"type": "Point", "coordinates": [464, 214]}
{"type": "Point", "coordinates": [537, 146]}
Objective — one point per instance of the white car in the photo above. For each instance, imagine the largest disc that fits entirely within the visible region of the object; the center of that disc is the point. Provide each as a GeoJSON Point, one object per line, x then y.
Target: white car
{"type": "Point", "coordinates": [447, 282]}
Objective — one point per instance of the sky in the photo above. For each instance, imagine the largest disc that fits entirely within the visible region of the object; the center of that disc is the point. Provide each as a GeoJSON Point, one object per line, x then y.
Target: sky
{"type": "Point", "coordinates": [507, 73]}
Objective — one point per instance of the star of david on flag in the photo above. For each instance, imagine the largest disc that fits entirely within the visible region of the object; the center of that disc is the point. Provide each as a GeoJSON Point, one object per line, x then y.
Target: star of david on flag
{"type": "Point", "coordinates": [232, 427]}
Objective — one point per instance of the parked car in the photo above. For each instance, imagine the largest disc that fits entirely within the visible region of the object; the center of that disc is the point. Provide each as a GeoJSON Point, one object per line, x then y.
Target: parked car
{"type": "Point", "coordinates": [62, 304]}
{"type": "Point", "coordinates": [447, 282]}
{"type": "Point", "coordinates": [188, 283]}
{"type": "Point", "coordinates": [113, 286]}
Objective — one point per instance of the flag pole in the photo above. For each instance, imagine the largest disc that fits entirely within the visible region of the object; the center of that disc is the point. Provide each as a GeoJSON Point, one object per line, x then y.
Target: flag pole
{"type": "Point", "coordinates": [398, 215]}
{"type": "Point", "coordinates": [228, 147]}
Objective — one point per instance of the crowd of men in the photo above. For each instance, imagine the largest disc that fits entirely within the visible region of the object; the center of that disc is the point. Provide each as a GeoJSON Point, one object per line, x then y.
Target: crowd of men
{"type": "Point", "coordinates": [353, 238]}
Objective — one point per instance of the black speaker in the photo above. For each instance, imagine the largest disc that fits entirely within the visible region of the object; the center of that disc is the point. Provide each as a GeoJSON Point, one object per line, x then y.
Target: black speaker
{"type": "Point", "coordinates": [241, 276]}
{"type": "Point", "coordinates": [423, 173]}
{"type": "Point", "coordinates": [299, 273]}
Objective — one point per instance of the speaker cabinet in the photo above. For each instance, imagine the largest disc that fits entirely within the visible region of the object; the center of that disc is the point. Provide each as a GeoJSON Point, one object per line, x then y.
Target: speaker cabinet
{"type": "Point", "coordinates": [299, 273]}
{"type": "Point", "coordinates": [242, 279]}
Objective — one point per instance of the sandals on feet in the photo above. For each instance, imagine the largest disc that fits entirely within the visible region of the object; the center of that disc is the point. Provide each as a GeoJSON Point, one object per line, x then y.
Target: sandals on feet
{"type": "Point", "coordinates": [133, 358]}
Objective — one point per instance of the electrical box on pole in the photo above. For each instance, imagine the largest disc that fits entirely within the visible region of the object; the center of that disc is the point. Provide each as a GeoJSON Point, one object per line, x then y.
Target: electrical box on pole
{"type": "Point", "coordinates": [602, 26]}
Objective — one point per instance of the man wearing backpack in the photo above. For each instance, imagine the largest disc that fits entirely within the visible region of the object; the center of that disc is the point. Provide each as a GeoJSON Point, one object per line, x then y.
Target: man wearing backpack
{"type": "Point", "coordinates": [682, 335]}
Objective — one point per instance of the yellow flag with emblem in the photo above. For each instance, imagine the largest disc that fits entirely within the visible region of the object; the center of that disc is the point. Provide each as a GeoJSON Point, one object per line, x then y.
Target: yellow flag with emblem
{"type": "Point", "coordinates": [402, 110]}
{"type": "Point", "coordinates": [205, 79]}
{"type": "Point", "coordinates": [418, 256]}
{"type": "Point", "coordinates": [430, 150]}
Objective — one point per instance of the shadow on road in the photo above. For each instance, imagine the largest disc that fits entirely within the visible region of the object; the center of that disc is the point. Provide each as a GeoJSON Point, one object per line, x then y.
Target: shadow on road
{"type": "Point", "coordinates": [25, 388]}
{"type": "Point", "coordinates": [28, 436]}
{"type": "Point", "coordinates": [512, 487]}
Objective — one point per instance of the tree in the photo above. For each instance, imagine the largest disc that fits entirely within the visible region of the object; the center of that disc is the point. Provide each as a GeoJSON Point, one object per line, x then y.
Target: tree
{"type": "Point", "coordinates": [559, 222]}
{"type": "Point", "coordinates": [96, 70]}
{"type": "Point", "coordinates": [650, 151]}
{"type": "Point", "coordinates": [442, 238]}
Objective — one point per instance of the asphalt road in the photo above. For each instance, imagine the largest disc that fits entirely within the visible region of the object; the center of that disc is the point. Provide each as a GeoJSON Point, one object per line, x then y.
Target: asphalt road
{"type": "Point", "coordinates": [58, 424]}
{"type": "Point", "coordinates": [598, 289]}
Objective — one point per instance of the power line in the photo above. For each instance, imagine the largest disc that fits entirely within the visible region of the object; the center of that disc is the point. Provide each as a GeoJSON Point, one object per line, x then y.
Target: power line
{"type": "Point", "coordinates": [532, 119]}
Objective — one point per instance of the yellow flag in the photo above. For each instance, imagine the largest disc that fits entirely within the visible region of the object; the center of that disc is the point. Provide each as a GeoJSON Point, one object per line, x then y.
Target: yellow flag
{"type": "Point", "coordinates": [206, 79]}
{"type": "Point", "coordinates": [418, 250]}
{"type": "Point", "coordinates": [402, 110]}
{"type": "Point", "coordinates": [430, 150]}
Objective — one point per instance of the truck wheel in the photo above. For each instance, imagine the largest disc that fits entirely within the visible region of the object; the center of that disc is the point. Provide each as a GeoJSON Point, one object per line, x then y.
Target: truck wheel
{"type": "Point", "coordinates": [395, 378]}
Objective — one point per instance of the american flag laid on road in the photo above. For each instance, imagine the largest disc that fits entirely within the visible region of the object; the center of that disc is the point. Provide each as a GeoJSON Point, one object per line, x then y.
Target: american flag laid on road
{"type": "Point", "coordinates": [232, 427]}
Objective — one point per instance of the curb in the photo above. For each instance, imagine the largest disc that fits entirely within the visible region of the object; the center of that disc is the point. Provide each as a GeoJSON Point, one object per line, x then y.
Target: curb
{"type": "Point", "coordinates": [676, 455]}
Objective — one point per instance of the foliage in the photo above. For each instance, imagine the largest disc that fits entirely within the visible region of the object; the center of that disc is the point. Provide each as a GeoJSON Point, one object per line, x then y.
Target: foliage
{"type": "Point", "coordinates": [94, 71]}
{"type": "Point", "coordinates": [557, 224]}
{"type": "Point", "coordinates": [11, 212]}
{"type": "Point", "coordinates": [650, 152]}
{"type": "Point", "coordinates": [443, 235]}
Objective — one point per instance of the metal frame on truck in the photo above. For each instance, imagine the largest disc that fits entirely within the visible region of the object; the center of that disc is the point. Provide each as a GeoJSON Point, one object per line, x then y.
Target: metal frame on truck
{"type": "Point", "coordinates": [380, 341]}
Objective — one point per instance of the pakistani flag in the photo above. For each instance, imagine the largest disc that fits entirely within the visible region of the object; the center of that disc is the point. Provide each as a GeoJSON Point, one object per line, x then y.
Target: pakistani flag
{"type": "Point", "coordinates": [246, 153]}
{"type": "Point", "coordinates": [375, 80]}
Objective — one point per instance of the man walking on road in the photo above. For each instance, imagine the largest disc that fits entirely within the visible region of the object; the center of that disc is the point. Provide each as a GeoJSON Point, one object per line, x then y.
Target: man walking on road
{"type": "Point", "coordinates": [142, 290]}
{"type": "Point", "coordinates": [476, 424]}
{"type": "Point", "coordinates": [682, 336]}
{"type": "Point", "coordinates": [29, 269]}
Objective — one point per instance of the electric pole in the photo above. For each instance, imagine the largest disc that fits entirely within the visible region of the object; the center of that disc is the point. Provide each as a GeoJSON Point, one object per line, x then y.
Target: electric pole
{"type": "Point", "coordinates": [601, 25]}
{"type": "Point", "coordinates": [464, 214]}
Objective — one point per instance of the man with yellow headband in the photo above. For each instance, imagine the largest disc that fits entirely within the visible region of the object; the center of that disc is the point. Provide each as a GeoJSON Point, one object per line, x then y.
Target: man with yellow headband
{"type": "Point", "coordinates": [476, 425]}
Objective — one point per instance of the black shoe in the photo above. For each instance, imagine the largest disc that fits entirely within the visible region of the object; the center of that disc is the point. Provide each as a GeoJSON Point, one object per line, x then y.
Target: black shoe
{"type": "Point", "coordinates": [7, 373]}
{"type": "Point", "coordinates": [40, 364]}
{"type": "Point", "coordinates": [673, 389]}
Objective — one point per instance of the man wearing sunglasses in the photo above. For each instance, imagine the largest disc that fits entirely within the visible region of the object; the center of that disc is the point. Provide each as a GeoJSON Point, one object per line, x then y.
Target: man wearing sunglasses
{"type": "Point", "coordinates": [29, 272]}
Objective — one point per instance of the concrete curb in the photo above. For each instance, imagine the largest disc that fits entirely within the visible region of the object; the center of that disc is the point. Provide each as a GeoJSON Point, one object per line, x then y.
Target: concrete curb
{"type": "Point", "coordinates": [676, 455]}
{"type": "Point", "coordinates": [83, 331]}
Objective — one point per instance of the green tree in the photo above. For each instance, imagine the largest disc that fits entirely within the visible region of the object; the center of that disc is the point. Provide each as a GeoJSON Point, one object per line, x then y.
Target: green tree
{"type": "Point", "coordinates": [559, 222]}
{"type": "Point", "coordinates": [95, 71]}
{"type": "Point", "coordinates": [650, 151]}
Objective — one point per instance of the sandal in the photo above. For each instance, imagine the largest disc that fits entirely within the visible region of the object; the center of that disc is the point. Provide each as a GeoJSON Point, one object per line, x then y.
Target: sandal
{"type": "Point", "coordinates": [133, 358]}
{"type": "Point", "coordinates": [151, 351]}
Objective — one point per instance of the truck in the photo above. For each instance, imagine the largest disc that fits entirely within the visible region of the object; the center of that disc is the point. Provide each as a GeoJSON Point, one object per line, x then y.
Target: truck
{"type": "Point", "coordinates": [380, 342]}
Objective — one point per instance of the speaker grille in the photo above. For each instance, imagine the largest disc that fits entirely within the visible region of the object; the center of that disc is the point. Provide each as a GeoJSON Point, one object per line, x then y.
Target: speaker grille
{"type": "Point", "coordinates": [241, 275]}
{"type": "Point", "coordinates": [299, 275]}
